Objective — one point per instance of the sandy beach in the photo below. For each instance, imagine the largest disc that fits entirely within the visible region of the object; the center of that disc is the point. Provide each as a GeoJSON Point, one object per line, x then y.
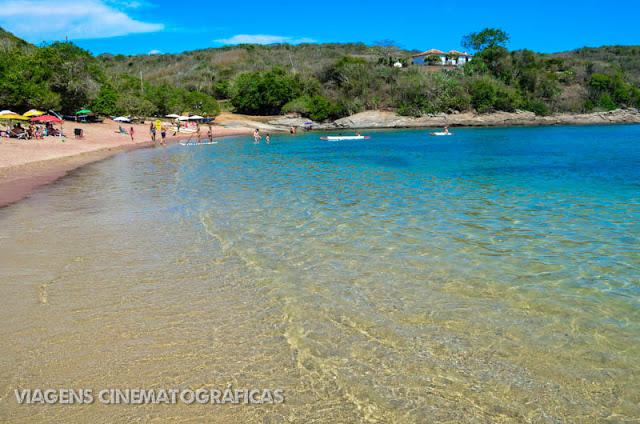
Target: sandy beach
{"type": "Point", "coordinates": [27, 164]}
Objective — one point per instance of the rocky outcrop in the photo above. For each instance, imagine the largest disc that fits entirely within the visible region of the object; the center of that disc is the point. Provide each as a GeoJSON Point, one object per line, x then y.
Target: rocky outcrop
{"type": "Point", "coordinates": [380, 119]}
{"type": "Point", "coordinates": [384, 119]}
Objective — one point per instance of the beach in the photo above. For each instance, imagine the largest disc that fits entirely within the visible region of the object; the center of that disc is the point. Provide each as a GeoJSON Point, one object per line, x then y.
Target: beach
{"type": "Point", "coordinates": [486, 277]}
{"type": "Point", "coordinates": [26, 164]}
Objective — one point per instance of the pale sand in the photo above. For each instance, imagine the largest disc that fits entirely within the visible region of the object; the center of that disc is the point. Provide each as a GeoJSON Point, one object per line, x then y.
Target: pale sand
{"type": "Point", "coordinates": [26, 164]}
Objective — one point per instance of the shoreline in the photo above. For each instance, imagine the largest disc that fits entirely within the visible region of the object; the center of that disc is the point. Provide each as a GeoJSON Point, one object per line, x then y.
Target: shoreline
{"type": "Point", "coordinates": [379, 119]}
{"type": "Point", "coordinates": [28, 164]}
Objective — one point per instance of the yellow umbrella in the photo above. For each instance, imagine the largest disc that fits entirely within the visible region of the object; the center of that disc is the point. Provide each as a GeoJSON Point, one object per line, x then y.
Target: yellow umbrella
{"type": "Point", "coordinates": [12, 116]}
{"type": "Point", "coordinates": [33, 112]}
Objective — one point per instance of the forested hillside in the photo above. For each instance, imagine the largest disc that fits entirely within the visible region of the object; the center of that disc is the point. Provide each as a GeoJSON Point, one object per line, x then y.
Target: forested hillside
{"type": "Point", "coordinates": [321, 82]}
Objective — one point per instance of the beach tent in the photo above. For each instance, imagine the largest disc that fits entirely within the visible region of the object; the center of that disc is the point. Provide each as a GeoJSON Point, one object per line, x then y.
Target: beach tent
{"type": "Point", "coordinates": [47, 118]}
{"type": "Point", "coordinates": [33, 112]}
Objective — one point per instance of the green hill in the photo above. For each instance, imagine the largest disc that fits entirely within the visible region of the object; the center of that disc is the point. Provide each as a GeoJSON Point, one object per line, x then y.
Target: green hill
{"type": "Point", "coordinates": [320, 81]}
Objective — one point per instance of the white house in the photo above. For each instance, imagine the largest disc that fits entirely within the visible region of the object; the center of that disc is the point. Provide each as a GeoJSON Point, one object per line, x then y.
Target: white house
{"type": "Point", "coordinates": [452, 57]}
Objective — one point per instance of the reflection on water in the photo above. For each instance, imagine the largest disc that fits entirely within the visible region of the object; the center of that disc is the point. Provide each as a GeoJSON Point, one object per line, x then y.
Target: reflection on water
{"type": "Point", "coordinates": [492, 277]}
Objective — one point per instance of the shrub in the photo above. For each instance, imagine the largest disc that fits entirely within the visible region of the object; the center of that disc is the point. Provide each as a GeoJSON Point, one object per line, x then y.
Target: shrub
{"type": "Point", "coordinates": [483, 96]}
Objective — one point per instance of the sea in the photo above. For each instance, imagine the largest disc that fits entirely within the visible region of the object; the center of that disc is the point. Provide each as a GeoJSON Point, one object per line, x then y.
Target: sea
{"type": "Point", "coordinates": [492, 276]}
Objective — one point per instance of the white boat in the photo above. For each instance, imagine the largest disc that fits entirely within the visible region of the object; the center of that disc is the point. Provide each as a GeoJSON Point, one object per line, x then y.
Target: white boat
{"type": "Point", "coordinates": [345, 137]}
{"type": "Point", "coordinates": [440, 133]}
{"type": "Point", "coordinates": [183, 130]}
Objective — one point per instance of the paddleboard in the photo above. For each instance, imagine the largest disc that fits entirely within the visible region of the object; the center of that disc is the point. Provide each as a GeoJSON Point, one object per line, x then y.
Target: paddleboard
{"type": "Point", "coordinates": [195, 143]}
{"type": "Point", "coordinates": [345, 137]}
{"type": "Point", "coordinates": [440, 133]}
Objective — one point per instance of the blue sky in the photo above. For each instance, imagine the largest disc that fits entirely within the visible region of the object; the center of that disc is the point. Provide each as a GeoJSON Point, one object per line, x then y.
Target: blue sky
{"type": "Point", "coordinates": [151, 26]}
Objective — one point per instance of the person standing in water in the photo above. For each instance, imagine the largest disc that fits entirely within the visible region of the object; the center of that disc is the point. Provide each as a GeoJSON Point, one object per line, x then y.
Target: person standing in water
{"type": "Point", "coordinates": [210, 135]}
{"type": "Point", "coordinates": [267, 139]}
{"type": "Point", "coordinates": [256, 136]}
{"type": "Point", "coordinates": [152, 130]}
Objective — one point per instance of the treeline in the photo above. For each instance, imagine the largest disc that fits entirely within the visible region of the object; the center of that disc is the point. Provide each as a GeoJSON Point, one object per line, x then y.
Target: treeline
{"type": "Point", "coordinates": [66, 78]}
{"type": "Point", "coordinates": [333, 80]}
{"type": "Point", "coordinates": [320, 82]}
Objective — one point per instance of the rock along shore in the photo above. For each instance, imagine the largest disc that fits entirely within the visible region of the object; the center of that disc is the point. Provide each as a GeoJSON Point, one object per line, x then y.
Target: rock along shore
{"type": "Point", "coordinates": [383, 119]}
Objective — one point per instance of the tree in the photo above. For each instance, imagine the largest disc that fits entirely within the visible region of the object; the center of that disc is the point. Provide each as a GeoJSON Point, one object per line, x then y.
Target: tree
{"type": "Point", "coordinates": [488, 37]}
{"type": "Point", "coordinates": [265, 93]}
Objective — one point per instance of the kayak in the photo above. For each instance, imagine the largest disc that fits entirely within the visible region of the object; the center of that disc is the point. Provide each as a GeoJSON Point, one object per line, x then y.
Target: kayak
{"type": "Point", "coordinates": [345, 137]}
{"type": "Point", "coordinates": [440, 133]}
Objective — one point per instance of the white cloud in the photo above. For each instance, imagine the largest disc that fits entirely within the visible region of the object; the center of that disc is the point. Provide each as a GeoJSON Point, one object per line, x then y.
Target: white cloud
{"type": "Point", "coordinates": [38, 20]}
{"type": "Point", "coordinates": [263, 39]}
{"type": "Point", "coordinates": [154, 52]}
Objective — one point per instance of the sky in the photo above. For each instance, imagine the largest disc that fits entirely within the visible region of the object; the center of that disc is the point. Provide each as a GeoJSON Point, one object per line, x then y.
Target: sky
{"type": "Point", "coordinates": [163, 26]}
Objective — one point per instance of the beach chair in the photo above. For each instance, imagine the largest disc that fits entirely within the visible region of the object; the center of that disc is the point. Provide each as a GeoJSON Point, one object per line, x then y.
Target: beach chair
{"type": "Point", "coordinates": [18, 135]}
{"type": "Point", "coordinates": [78, 132]}
{"type": "Point", "coordinates": [122, 130]}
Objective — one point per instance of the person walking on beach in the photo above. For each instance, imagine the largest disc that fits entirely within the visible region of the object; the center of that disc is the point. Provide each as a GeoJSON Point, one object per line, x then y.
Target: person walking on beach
{"type": "Point", "coordinates": [152, 130]}
{"type": "Point", "coordinates": [131, 133]}
{"type": "Point", "coordinates": [163, 133]}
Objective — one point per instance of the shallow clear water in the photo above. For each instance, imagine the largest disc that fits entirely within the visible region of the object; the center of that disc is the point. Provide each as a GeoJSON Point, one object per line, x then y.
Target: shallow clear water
{"type": "Point", "coordinates": [492, 276]}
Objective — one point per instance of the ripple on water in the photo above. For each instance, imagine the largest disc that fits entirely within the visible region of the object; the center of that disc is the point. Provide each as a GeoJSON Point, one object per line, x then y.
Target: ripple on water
{"type": "Point", "coordinates": [493, 277]}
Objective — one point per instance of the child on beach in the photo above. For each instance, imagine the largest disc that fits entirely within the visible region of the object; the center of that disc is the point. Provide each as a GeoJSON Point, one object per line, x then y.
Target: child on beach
{"type": "Point", "coordinates": [131, 133]}
{"type": "Point", "coordinates": [164, 133]}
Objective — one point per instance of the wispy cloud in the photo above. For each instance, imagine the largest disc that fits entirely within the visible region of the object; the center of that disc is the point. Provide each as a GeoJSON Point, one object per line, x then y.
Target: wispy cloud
{"type": "Point", "coordinates": [263, 39]}
{"type": "Point", "coordinates": [38, 20]}
{"type": "Point", "coordinates": [154, 52]}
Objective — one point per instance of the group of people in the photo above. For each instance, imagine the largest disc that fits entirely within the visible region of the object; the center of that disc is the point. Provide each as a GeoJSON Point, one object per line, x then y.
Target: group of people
{"type": "Point", "coordinates": [33, 132]}
{"type": "Point", "coordinates": [257, 136]}
{"type": "Point", "coordinates": [152, 131]}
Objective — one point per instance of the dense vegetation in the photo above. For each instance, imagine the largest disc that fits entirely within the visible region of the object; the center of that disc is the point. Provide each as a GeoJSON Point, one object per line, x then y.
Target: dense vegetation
{"type": "Point", "coordinates": [63, 77]}
{"type": "Point", "coordinates": [318, 81]}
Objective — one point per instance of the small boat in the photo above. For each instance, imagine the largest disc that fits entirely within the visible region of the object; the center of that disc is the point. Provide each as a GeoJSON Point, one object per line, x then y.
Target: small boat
{"type": "Point", "coordinates": [345, 137]}
{"type": "Point", "coordinates": [183, 130]}
{"type": "Point", "coordinates": [441, 133]}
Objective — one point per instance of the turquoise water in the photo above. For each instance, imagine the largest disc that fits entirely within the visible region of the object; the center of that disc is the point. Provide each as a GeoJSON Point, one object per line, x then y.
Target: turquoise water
{"type": "Point", "coordinates": [492, 276]}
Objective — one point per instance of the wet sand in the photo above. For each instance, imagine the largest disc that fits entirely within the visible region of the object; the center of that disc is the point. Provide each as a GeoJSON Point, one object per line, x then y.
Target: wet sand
{"type": "Point", "coordinates": [27, 164]}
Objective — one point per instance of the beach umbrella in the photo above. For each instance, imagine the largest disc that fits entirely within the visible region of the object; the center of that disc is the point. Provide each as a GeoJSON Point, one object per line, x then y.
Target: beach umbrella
{"type": "Point", "coordinates": [7, 112]}
{"type": "Point", "coordinates": [13, 116]}
{"type": "Point", "coordinates": [196, 117]}
{"type": "Point", "coordinates": [33, 112]}
{"type": "Point", "coordinates": [183, 118]}
{"type": "Point", "coordinates": [83, 111]}
{"type": "Point", "coordinates": [122, 119]}
{"type": "Point", "coordinates": [173, 115]}
{"type": "Point", "coordinates": [308, 123]}
{"type": "Point", "coordinates": [47, 118]}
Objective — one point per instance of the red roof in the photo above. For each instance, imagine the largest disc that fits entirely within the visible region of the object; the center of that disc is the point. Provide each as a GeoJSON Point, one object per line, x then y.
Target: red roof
{"type": "Point", "coordinates": [457, 53]}
{"type": "Point", "coordinates": [428, 52]}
